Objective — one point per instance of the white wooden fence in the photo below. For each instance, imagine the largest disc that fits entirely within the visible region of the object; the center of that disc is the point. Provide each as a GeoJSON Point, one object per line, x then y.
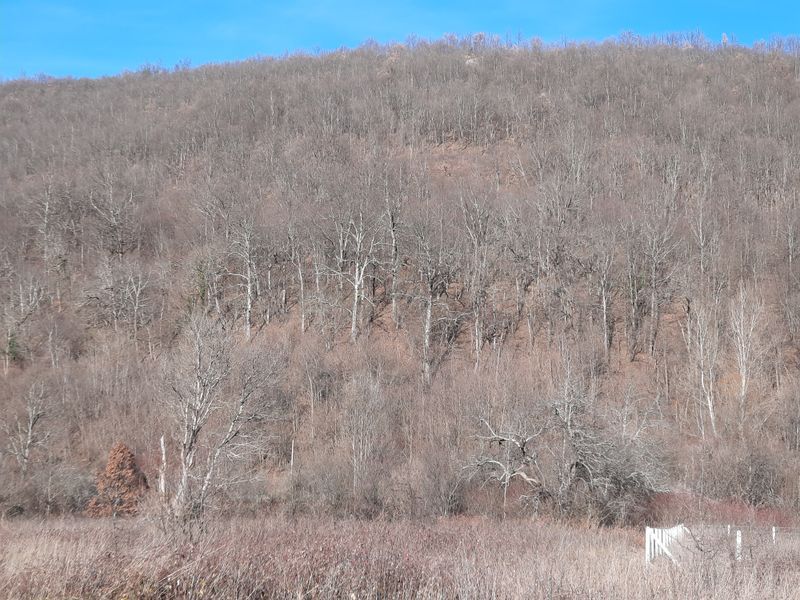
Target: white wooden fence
{"type": "Point", "coordinates": [657, 542]}
{"type": "Point", "coordinates": [667, 541]}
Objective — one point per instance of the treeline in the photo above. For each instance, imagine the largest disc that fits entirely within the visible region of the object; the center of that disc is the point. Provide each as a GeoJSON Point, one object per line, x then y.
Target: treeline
{"type": "Point", "coordinates": [375, 281]}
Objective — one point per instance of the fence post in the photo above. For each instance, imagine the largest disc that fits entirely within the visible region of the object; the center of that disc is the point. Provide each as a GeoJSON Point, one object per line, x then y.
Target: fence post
{"type": "Point", "coordinates": [774, 531]}
{"type": "Point", "coordinates": [738, 544]}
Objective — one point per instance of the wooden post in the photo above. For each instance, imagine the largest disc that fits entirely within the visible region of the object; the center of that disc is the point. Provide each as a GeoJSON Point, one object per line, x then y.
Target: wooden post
{"type": "Point", "coordinates": [774, 531]}
{"type": "Point", "coordinates": [738, 544]}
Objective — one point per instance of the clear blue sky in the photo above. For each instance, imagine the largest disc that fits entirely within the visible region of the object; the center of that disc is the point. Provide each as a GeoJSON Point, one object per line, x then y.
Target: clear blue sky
{"type": "Point", "coordinates": [94, 38]}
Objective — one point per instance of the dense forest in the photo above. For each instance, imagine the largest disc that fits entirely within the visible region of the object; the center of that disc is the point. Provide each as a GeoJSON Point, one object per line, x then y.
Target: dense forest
{"type": "Point", "coordinates": [436, 278]}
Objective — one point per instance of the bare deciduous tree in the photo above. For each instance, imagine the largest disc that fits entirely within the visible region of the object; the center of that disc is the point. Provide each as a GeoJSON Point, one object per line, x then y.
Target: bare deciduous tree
{"type": "Point", "coordinates": [220, 392]}
{"type": "Point", "coordinates": [244, 249]}
{"type": "Point", "coordinates": [701, 335]}
{"type": "Point", "coordinates": [435, 265]}
{"type": "Point", "coordinates": [479, 225]}
{"type": "Point", "coordinates": [26, 432]}
{"type": "Point", "coordinates": [746, 314]}
{"type": "Point", "coordinates": [511, 455]}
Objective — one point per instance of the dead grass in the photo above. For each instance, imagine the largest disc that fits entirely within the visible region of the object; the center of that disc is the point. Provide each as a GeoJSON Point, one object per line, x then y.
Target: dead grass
{"type": "Point", "coordinates": [307, 558]}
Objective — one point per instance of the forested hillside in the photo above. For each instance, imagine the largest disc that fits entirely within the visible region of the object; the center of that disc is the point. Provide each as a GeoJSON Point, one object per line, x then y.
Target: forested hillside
{"type": "Point", "coordinates": [422, 279]}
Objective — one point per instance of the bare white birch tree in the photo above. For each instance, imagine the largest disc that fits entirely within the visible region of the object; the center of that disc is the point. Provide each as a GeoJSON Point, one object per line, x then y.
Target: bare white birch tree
{"type": "Point", "coordinates": [218, 393]}
{"type": "Point", "coordinates": [603, 269]}
{"type": "Point", "coordinates": [243, 249]}
{"type": "Point", "coordinates": [135, 295]}
{"type": "Point", "coordinates": [363, 236]}
{"type": "Point", "coordinates": [356, 246]}
{"type": "Point", "coordinates": [745, 312]}
{"type": "Point", "coordinates": [25, 434]}
{"type": "Point", "coordinates": [479, 226]}
{"type": "Point", "coordinates": [701, 334]}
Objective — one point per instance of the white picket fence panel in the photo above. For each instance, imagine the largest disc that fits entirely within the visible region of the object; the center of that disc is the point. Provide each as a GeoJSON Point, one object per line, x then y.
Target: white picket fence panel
{"type": "Point", "coordinates": [657, 542]}
{"type": "Point", "coordinates": [667, 541]}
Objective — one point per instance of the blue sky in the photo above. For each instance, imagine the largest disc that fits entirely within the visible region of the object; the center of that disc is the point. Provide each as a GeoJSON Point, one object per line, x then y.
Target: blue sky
{"type": "Point", "coordinates": [92, 38]}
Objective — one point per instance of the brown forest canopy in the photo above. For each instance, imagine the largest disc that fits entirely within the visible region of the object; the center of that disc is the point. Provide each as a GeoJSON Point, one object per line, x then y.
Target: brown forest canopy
{"type": "Point", "coordinates": [454, 247]}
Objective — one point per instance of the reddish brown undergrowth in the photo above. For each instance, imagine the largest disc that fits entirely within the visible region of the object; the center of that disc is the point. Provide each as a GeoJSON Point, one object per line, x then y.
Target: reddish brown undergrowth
{"type": "Point", "coordinates": [672, 507]}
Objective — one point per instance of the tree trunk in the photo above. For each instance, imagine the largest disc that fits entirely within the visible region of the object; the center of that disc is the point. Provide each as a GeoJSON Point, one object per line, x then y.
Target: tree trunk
{"type": "Point", "coordinates": [426, 340]}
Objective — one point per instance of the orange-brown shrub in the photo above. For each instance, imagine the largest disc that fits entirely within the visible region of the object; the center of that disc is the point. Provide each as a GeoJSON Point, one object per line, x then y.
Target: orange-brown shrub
{"type": "Point", "coordinates": [120, 487]}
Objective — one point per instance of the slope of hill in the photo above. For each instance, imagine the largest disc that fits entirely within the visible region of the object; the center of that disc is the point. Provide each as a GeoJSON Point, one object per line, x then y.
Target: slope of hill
{"type": "Point", "coordinates": [373, 281]}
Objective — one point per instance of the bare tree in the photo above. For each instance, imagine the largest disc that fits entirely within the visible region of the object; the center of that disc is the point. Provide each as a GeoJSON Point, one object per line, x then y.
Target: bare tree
{"type": "Point", "coordinates": [634, 288]}
{"type": "Point", "coordinates": [393, 215]}
{"type": "Point", "coordinates": [658, 248]}
{"type": "Point", "coordinates": [603, 270]}
{"type": "Point", "coordinates": [512, 455]}
{"type": "Point", "coordinates": [26, 433]}
{"type": "Point", "coordinates": [244, 247]}
{"type": "Point", "coordinates": [219, 394]}
{"type": "Point", "coordinates": [520, 255]}
{"type": "Point", "coordinates": [113, 204]}
{"type": "Point", "coordinates": [120, 295]}
{"type": "Point", "coordinates": [479, 225]}
{"type": "Point", "coordinates": [365, 427]}
{"type": "Point", "coordinates": [436, 270]}
{"type": "Point", "coordinates": [363, 235]}
{"type": "Point", "coordinates": [621, 469]}
{"type": "Point", "coordinates": [746, 322]}
{"type": "Point", "coordinates": [701, 335]}
{"type": "Point", "coordinates": [23, 299]}
{"type": "Point", "coordinates": [298, 259]}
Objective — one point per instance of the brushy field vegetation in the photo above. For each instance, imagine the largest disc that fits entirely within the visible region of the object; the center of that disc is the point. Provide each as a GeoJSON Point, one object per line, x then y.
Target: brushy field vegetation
{"type": "Point", "coordinates": [277, 557]}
